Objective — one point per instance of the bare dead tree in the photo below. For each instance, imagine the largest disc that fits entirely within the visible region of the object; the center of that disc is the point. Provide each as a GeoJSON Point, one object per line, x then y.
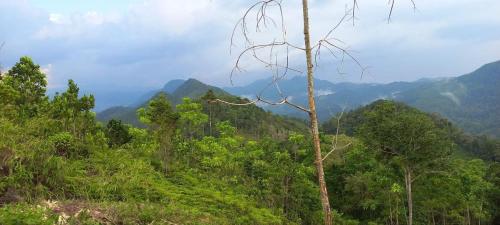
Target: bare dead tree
{"type": "Point", "coordinates": [280, 68]}
{"type": "Point", "coordinates": [274, 55]}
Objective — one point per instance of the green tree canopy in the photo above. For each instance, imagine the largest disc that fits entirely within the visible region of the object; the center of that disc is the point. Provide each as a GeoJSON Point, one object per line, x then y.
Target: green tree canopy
{"type": "Point", "coordinates": [408, 138]}
{"type": "Point", "coordinates": [191, 117]}
{"type": "Point", "coordinates": [30, 82]}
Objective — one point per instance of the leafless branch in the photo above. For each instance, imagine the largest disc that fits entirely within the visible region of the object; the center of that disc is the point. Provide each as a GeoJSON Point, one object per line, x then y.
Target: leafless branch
{"type": "Point", "coordinates": [333, 45]}
{"type": "Point", "coordinates": [261, 20]}
{"type": "Point", "coordinates": [335, 138]}
{"type": "Point", "coordinates": [232, 103]}
{"type": "Point", "coordinates": [271, 64]}
{"type": "Point", "coordinates": [284, 101]}
{"type": "Point", "coordinates": [333, 149]}
{"type": "Point", "coordinates": [354, 7]}
{"type": "Point", "coordinates": [392, 3]}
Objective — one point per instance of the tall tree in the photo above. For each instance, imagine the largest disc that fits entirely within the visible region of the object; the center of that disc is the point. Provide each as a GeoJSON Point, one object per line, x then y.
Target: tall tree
{"type": "Point", "coordinates": [191, 117]}
{"type": "Point", "coordinates": [27, 78]}
{"type": "Point", "coordinates": [74, 112]}
{"type": "Point", "coordinates": [408, 138]}
{"type": "Point", "coordinates": [208, 97]}
{"type": "Point", "coordinates": [161, 118]}
{"type": "Point", "coordinates": [313, 117]}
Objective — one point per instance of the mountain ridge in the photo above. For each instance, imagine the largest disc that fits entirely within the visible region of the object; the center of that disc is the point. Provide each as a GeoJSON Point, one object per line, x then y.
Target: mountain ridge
{"type": "Point", "coordinates": [471, 100]}
{"type": "Point", "coordinates": [175, 90]}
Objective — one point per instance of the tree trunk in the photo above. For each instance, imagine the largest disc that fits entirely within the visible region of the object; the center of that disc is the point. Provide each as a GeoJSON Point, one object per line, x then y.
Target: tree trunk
{"type": "Point", "coordinates": [390, 212]}
{"type": "Point", "coordinates": [397, 213]}
{"type": "Point", "coordinates": [409, 196]}
{"type": "Point", "coordinates": [286, 190]}
{"type": "Point", "coordinates": [468, 215]}
{"type": "Point", "coordinates": [480, 214]}
{"type": "Point", "coordinates": [444, 217]}
{"type": "Point", "coordinates": [314, 120]}
{"type": "Point", "coordinates": [210, 119]}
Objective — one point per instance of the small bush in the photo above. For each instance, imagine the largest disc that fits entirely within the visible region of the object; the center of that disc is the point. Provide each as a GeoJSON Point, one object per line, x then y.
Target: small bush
{"type": "Point", "coordinates": [67, 146]}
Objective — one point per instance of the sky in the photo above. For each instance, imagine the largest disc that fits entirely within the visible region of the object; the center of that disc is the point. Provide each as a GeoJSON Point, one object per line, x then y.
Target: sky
{"type": "Point", "coordinates": [128, 47]}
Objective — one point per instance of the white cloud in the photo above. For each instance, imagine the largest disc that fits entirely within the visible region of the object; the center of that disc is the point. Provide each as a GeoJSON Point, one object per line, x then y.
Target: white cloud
{"type": "Point", "coordinates": [174, 17]}
{"type": "Point", "coordinates": [51, 81]}
{"type": "Point", "coordinates": [76, 25]}
{"type": "Point", "coordinates": [58, 19]}
{"type": "Point", "coordinates": [451, 96]}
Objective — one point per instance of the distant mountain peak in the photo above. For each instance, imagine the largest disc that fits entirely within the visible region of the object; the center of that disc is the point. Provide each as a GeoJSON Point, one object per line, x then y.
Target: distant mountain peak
{"type": "Point", "coordinates": [172, 85]}
{"type": "Point", "coordinates": [194, 88]}
{"type": "Point", "coordinates": [491, 68]}
{"type": "Point", "coordinates": [193, 80]}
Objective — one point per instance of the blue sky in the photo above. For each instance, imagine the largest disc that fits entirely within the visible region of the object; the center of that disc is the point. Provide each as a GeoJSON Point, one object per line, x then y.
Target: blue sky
{"type": "Point", "coordinates": [126, 47]}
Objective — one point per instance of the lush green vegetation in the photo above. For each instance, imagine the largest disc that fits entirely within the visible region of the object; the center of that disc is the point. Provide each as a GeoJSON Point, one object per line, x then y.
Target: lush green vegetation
{"type": "Point", "coordinates": [195, 161]}
{"type": "Point", "coordinates": [450, 183]}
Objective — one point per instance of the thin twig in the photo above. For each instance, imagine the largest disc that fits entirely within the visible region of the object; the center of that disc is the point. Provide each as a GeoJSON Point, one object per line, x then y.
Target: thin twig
{"type": "Point", "coordinates": [335, 138]}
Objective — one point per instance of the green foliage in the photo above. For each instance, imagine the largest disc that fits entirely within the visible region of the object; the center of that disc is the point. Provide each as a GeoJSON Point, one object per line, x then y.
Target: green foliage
{"type": "Point", "coordinates": [162, 120]}
{"type": "Point", "coordinates": [73, 113]}
{"type": "Point", "coordinates": [117, 133]}
{"type": "Point", "coordinates": [24, 214]}
{"type": "Point", "coordinates": [63, 143]}
{"type": "Point", "coordinates": [158, 112]}
{"type": "Point", "coordinates": [410, 136]}
{"type": "Point", "coordinates": [30, 83]}
{"type": "Point", "coordinates": [368, 182]}
{"type": "Point", "coordinates": [468, 145]}
{"type": "Point", "coordinates": [191, 117]}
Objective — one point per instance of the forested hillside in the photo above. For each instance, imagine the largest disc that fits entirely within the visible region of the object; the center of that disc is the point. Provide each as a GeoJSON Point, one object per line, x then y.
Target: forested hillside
{"type": "Point", "coordinates": [199, 162]}
{"type": "Point", "coordinates": [471, 101]}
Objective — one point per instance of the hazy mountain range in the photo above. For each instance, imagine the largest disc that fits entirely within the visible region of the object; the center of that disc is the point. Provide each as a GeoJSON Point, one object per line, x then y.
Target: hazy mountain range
{"type": "Point", "coordinates": [472, 101]}
{"type": "Point", "coordinates": [175, 91]}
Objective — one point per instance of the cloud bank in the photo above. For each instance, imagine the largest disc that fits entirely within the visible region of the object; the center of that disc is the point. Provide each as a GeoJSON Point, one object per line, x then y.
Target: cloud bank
{"type": "Point", "coordinates": [133, 46]}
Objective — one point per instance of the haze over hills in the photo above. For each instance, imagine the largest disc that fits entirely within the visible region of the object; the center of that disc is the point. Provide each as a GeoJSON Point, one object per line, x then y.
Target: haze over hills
{"type": "Point", "coordinates": [470, 101]}
{"type": "Point", "coordinates": [331, 97]}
